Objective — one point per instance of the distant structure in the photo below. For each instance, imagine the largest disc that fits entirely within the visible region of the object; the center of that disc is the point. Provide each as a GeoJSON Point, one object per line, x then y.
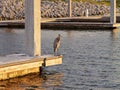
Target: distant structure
{"type": "Point", "coordinates": [113, 11]}
{"type": "Point", "coordinates": [56, 44]}
{"type": "Point", "coordinates": [70, 8]}
{"type": "Point", "coordinates": [102, 0]}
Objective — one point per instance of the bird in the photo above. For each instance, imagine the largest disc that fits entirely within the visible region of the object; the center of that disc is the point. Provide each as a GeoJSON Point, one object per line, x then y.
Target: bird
{"type": "Point", "coordinates": [56, 44]}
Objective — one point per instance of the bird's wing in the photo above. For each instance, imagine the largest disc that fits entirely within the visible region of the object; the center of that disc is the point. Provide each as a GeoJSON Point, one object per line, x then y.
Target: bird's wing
{"type": "Point", "coordinates": [55, 43]}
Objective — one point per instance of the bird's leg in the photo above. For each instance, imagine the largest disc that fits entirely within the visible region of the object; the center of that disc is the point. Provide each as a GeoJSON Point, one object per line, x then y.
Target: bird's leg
{"type": "Point", "coordinates": [54, 53]}
{"type": "Point", "coordinates": [58, 53]}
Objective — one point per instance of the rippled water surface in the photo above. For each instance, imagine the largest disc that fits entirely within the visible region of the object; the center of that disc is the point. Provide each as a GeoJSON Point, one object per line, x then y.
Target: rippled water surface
{"type": "Point", "coordinates": [91, 59]}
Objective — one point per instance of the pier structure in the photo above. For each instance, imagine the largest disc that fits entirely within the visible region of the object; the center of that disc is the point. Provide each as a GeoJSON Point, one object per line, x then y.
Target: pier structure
{"type": "Point", "coordinates": [21, 64]}
{"type": "Point", "coordinates": [84, 22]}
{"type": "Point", "coordinates": [33, 27]}
{"type": "Point", "coordinates": [70, 8]}
{"type": "Point", "coordinates": [113, 11]}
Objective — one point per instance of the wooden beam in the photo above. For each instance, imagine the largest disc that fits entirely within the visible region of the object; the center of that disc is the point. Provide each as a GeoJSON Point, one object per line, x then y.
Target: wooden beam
{"type": "Point", "coordinates": [23, 67]}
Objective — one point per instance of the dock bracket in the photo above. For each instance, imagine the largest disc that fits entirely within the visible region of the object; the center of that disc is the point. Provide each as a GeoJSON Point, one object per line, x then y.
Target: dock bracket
{"type": "Point", "coordinates": [42, 71]}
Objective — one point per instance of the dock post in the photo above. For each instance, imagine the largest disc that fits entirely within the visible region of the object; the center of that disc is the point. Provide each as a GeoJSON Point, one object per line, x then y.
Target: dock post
{"type": "Point", "coordinates": [32, 27]}
{"type": "Point", "coordinates": [70, 8]}
{"type": "Point", "coordinates": [113, 11]}
{"type": "Point", "coordinates": [86, 13]}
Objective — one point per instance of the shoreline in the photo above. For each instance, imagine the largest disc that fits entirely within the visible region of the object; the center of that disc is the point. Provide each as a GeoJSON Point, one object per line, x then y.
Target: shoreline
{"type": "Point", "coordinates": [14, 9]}
{"type": "Point", "coordinates": [67, 23]}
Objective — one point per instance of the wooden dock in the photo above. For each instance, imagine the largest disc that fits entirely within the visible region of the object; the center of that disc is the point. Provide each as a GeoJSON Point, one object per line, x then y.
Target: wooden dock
{"type": "Point", "coordinates": [79, 25]}
{"type": "Point", "coordinates": [68, 23]}
{"type": "Point", "coordinates": [19, 65]}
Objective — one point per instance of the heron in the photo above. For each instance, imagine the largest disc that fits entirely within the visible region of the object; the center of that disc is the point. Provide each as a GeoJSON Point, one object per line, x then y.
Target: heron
{"type": "Point", "coordinates": [56, 44]}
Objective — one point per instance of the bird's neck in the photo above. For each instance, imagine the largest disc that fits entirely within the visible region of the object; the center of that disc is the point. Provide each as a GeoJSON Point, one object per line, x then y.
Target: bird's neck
{"type": "Point", "coordinates": [58, 38]}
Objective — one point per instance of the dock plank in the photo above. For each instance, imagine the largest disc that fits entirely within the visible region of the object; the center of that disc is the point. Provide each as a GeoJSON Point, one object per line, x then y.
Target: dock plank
{"type": "Point", "coordinates": [23, 67]}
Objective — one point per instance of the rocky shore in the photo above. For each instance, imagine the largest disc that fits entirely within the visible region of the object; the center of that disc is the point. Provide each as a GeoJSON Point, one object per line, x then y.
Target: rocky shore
{"type": "Point", "coordinates": [14, 9]}
{"type": "Point", "coordinates": [11, 9]}
{"type": "Point", "coordinates": [60, 9]}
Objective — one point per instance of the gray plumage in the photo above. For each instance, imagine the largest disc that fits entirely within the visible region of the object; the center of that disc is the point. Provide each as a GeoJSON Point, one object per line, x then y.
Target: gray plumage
{"type": "Point", "coordinates": [56, 44]}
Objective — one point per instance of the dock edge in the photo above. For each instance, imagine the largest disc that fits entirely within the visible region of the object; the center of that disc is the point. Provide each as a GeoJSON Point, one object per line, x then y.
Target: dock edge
{"type": "Point", "coordinates": [22, 68]}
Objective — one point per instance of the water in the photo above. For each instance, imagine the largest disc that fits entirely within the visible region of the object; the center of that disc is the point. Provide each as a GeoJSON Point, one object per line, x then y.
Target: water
{"type": "Point", "coordinates": [91, 59]}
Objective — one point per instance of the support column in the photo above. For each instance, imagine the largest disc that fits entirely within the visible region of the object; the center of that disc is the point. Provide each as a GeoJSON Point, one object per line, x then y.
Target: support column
{"type": "Point", "coordinates": [113, 11]}
{"type": "Point", "coordinates": [70, 8]}
{"type": "Point", "coordinates": [32, 27]}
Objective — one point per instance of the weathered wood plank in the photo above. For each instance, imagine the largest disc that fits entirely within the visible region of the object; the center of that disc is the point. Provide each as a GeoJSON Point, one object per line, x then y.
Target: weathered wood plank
{"type": "Point", "coordinates": [20, 68]}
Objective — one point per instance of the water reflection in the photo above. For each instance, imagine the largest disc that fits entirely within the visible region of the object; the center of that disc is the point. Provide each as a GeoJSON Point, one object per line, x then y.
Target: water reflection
{"type": "Point", "coordinates": [91, 59]}
{"type": "Point", "coordinates": [70, 33]}
{"type": "Point", "coordinates": [32, 82]}
{"type": "Point", "coordinates": [115, 49]}
{"type": "Point", "coordinates": [11, 41]}
{"type": "Point", "coordinates": [9, 30]}
{"type": "Point", "coordinates": [115, 33]}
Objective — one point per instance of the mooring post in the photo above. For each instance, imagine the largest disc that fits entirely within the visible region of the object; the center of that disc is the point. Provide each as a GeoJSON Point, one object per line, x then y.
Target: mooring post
{"type": "Point", "coordinates": [113, 11]}
{"type": "Point", "coordinates": [70, 8]}
{"type": "Point", "coordinates": [86, 13]}
{"type": "Point", "coordinates": [33, 27]}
